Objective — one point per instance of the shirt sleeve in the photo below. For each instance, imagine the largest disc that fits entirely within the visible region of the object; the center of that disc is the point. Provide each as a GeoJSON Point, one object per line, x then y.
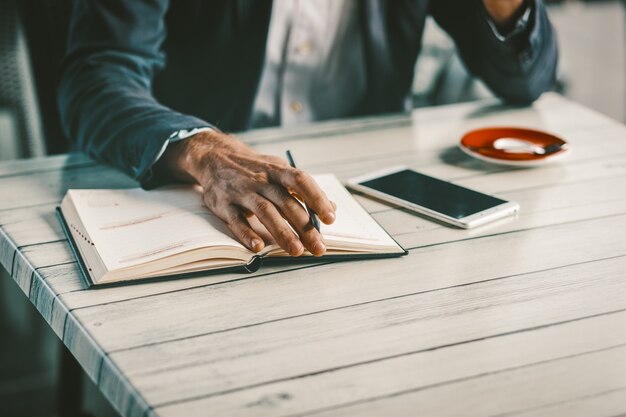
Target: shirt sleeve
{"type": "Point", "coordinates": [105, 91]}
{"type": "Point", "coordinates": [517, 67]}
{"type": "Point", "coordinates": [519, 28]}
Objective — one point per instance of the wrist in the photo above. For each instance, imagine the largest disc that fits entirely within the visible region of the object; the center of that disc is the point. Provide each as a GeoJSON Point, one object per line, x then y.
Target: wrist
{"type": "Point", "coordinates": [183, 160]}
{"type": "Point", "coordinates": [504, 12]}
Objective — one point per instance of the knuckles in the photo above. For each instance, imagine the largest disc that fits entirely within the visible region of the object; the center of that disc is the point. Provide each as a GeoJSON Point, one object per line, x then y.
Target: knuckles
{"type": "Point", "coordinates": [262, 206]}
{"type": "Point", "coordinates": [261, 178]}
{"type": "Point", "coordinates": [233, 219]}
{"type": "Point", "coordinates": [300, 178]}
{"type": "Point", "coordinates": [284, 234]}
{"type": "Point", "coordinates": [288, 201]}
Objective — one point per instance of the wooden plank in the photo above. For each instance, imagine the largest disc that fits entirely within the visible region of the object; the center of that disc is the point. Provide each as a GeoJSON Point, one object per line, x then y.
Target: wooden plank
{"type": "Point", "coordinates": [226, 361]}
{"type": "Point", "coordinates": [610, 403]}
{"type": "Point", "coordinates": [21, 214]}
{"type": "Point", "coordinates": [26, 259]}
{"type": "Point", "coordinates": [63, 278]}
{"type": "Point", "coordinates": [7, 251]}
{"type": "Point", "coordinates": [22, 272]}
{"type": "Point", "coordinates": [43, 298]}
{"type": "Point", "coordinates": [86, 351]}
{"type": "Point", "coordinates": [507, 392]}
{"type": "Point", "coordinates": [126, 399]}
{"type": "Point", "coordinates": [92, 358]}
{"type": "Point", "coordinates": [348, 283]}
{"type": "Point", "coordinates": [49, 163]}
{"type": "Point", "coordinates": [388, 377]}
{"type": "Point", "coordinates": [509, 181]}
{"type": "Point", "coordinates": [59, 316]}
{"type": "Point", "coordinates": [49, 187]}
{"type": "Point", "coordinates": [42, 227]}
{"type": "Point", "coordinates": [46, 254]}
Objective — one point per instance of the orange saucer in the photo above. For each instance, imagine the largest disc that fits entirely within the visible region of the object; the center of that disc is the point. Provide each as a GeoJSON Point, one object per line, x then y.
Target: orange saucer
{"type": "Point", "coordinates": [480, 144]}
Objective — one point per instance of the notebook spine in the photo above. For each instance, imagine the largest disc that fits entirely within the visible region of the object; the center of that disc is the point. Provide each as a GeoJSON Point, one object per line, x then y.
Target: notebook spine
{"type": "Point", "coordinates": [254, 264]}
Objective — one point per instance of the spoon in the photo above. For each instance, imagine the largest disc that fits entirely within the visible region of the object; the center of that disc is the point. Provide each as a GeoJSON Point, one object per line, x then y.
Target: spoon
{"type": "Point", "coordinates": [512, 145]}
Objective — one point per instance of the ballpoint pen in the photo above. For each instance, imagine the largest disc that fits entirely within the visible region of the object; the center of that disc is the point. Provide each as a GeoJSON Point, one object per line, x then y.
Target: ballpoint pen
{"type": "Point", "coordinates": [313, 217]}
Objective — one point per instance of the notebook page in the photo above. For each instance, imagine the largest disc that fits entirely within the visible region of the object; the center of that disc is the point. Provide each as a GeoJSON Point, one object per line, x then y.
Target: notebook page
{"type": "Point", "coordinates": [353, 223]}
{"type": "Point", "coordinates": [133, 226]}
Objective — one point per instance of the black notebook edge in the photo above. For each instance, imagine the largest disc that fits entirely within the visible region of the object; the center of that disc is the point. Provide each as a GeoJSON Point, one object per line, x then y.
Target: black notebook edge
{"type": "Point", "coordinates": [72, 243]}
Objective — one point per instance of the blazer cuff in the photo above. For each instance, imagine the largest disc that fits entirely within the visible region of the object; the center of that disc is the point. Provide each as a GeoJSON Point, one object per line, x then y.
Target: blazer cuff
{"type": "Point", "coordinates": [154, 149]}
{"type": "Point", "coordinates": [520, 26]}
{"type": "Point", "coordinates": [518, 41]}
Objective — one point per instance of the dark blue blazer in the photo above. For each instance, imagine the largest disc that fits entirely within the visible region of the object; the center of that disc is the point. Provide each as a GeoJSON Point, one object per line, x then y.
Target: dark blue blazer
{"type": "Point", "coordinates": [138, 70]}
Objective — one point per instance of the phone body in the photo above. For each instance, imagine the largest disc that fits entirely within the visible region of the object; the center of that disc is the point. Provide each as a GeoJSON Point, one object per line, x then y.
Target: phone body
{"type": "Point", "coordinates": [432, 197]}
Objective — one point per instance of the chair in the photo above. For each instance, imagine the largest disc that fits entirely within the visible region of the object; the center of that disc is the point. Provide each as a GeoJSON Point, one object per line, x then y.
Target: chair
{"type": "Point", "coordinates": [21, 133]}
{"type": "Point", "coordinates": [32, 41]}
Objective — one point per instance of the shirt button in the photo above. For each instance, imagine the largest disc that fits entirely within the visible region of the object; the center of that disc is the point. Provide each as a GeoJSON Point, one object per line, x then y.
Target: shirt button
{"type": "Point", "coordinates": [304, 48]}
{"type": "Point", "coordinates": [296, 106]}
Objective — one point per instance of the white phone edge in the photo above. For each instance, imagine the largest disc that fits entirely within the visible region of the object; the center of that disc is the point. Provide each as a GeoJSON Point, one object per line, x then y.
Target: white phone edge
{"type": "Point", "coordinates": [500, 211]}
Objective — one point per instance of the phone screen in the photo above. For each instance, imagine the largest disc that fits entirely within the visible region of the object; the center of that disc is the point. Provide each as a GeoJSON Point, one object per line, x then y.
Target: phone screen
{"type": "Point", "coordinates": [431, 193]}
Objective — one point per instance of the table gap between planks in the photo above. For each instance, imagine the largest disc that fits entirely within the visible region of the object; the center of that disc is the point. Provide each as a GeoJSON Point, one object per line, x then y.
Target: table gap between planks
{"type": "Point", "coordinates": [524, 317]}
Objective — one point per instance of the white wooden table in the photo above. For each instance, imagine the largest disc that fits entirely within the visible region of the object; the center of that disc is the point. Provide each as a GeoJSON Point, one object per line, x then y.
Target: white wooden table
{"type": "Point", "coordinates": [525, 317]}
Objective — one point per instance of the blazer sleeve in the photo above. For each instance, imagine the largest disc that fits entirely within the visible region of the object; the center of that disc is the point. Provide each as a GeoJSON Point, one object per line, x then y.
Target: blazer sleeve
{"type": "Point", "coordinates": [105, 91]}
{"type": "Point", "coordinates": [517, 69]}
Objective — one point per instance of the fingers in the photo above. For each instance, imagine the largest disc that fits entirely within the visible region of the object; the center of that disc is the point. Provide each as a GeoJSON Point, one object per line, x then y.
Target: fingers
{"type": "Point", "coordinates": [239, 181]}
{"type": "Point", "coordinates": [305, 186]}
{"type": "Point", "coordinates": [271, 218]}
{"type": "Point", "coordinates": [238, 225]}
{"type": "Point", "coordinates": [298, 217]}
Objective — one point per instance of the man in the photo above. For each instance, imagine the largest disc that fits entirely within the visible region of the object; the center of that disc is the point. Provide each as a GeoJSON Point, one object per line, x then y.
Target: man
{"type": "Point", "coordinates": [236, 64]}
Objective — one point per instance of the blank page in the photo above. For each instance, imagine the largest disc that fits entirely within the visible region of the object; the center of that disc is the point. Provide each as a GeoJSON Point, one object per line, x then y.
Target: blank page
{"type": "Point", "coordinates": [353, 223]}
{"type": "Point", "coordinates": [134, 226]}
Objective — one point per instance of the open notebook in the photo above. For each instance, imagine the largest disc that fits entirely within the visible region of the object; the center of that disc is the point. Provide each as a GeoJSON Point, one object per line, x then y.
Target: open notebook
{"type": "Point", "coordinates": [131, 234]}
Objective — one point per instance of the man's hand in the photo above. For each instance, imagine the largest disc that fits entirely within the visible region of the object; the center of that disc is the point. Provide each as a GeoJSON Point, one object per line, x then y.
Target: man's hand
{"type": "Point", "coordinates": [503, 12]}
{"type": "Point", "coordinates": [238, 182]}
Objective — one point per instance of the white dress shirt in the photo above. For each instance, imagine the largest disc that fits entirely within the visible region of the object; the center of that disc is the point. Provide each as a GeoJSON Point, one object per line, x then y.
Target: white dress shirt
{"type": "Point", "coordinates": [314, 65]}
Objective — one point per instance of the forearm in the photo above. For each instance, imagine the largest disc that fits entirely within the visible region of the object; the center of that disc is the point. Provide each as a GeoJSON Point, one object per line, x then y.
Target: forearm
{"type": "Point", "coordinates": [105, 90]}
{"type": "Point", "coordinates": [110, 115]}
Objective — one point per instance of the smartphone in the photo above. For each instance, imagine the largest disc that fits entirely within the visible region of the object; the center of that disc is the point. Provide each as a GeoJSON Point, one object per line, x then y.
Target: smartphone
{"type": "Point", "coordinates": [433, 197]}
